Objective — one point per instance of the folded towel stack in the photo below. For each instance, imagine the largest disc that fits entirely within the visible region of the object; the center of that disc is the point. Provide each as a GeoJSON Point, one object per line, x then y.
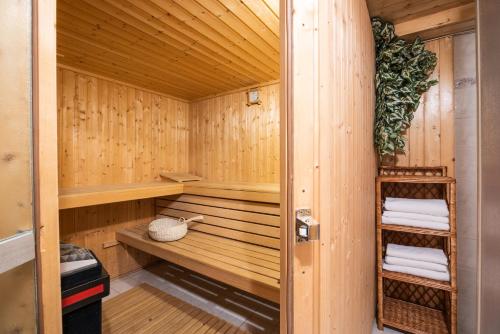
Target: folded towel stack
{"type": "Point", "coordinates": [419, 261]}
{"type": "Point", "coordinates": [423, 213]}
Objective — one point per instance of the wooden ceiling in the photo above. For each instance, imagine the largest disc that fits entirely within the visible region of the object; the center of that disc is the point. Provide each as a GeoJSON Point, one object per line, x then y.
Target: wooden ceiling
{"type": "Point", "coordinates": [184, 48]}
{"type": "Point", "coordinates": [397, 11]}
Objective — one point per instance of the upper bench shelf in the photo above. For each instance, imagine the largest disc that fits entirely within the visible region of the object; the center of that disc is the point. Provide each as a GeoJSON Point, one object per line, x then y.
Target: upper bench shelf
{"type": "Point", "coordinates": [258, 192]}
{"type": "Point", "coordinates": [104, 194]}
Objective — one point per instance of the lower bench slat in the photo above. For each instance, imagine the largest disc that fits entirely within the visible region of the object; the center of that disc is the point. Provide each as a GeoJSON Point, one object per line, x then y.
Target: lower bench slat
{"type": "Point", "coordinates": [238, 273]}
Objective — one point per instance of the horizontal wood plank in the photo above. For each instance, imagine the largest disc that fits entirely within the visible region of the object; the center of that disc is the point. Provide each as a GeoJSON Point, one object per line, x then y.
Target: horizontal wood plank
{"type": "Point", "coordinates": [221, 212]}
{"type": "Point", "coordinates": [258, 207]}
{"type": "Point", "coordinates": [433, 25]}
{"type": "Point", "coordinates": [86, 196]}
{"type": "Point", "coordinates": [234, 191]}
{"type": "Point", "coordinates": [232, 224]}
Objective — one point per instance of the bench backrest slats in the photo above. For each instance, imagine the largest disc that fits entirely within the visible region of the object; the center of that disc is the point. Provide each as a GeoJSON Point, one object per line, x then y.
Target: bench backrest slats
{"type": "Point", "coordinates": [247, 221]}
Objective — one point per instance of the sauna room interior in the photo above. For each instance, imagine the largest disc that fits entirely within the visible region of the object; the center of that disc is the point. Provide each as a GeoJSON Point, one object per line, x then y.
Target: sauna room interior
{"type": "Point", "coordinates": [234, 114]}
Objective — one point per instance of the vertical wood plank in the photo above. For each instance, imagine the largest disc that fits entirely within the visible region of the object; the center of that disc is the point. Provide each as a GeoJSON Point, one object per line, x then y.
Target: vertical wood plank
{"type": "Point", "coordinates": [417, 136]}
{"type": "Point", "coordinates": [45, 168]}
{"type": "Point", "coordinates": [446, 103]}
{"type": "Point", "coordinates": [113, 134]}
{"type": "Point", "coordinates": [431, 136]}
{"type": "Point", "coordinates": [233, 142]}
{"type": "Point", "coordinates": [432, 117]}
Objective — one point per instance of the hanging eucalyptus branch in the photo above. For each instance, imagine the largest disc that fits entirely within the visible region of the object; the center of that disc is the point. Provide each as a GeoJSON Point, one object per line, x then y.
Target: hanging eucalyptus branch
{"type": "Point", "coordinates": [403, 70]}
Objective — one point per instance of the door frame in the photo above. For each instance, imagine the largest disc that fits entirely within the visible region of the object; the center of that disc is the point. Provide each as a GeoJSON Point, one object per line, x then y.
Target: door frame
{"type": "Point", "coordinates": [46, 206]}
{"type": "Point", "coordinates": [299, 265]}
{"type": "Point", "coordinates": [45, 166]}
{"type": "Point", "coordinates": [286, 205]}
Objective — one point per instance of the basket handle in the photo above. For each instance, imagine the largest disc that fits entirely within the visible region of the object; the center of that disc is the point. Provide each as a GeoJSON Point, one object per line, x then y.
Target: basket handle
{"type": "Point", "coordinates": [192, 219]}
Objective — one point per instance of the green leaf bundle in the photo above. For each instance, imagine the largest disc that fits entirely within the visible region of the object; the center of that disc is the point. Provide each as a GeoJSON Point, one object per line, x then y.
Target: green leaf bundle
{"type": "Point", "coordinates": [402, 76]}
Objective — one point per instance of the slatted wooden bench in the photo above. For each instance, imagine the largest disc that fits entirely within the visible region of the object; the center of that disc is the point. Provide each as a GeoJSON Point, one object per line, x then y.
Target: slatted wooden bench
{"type": "Point", "coordinates": [237, 243]}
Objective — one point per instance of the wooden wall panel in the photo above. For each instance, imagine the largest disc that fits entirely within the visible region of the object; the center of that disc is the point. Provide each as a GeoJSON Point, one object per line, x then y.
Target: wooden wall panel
{"type": "Point", "coordinates": [431, 137]}
{"type": "Point", "coordinates": [346, 196]}
{"type": "Point", "coordinates": [94, 227]}
{"type": "Point", "coordinates": [233, 142]}
{"type": "Point", "coordinates": [111, 133]}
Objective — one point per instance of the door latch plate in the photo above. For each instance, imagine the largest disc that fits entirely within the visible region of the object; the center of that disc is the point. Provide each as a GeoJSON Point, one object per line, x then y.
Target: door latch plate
{"type": "Point", "coordinates": [306, 227]}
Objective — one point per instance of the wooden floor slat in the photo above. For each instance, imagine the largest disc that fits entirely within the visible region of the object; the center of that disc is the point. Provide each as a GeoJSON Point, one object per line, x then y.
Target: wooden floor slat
{"type": "Point", "coordinates": [145, 309]}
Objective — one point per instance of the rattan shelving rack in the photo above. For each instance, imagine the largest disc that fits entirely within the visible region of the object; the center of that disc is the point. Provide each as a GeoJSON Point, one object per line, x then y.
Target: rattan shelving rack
{"type": "Point", "coordinates": [411, 303]}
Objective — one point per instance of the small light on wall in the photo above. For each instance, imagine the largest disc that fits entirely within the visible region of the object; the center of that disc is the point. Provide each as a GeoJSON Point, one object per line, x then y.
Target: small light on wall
{"type": "Point", "coordinates": [253, 97]}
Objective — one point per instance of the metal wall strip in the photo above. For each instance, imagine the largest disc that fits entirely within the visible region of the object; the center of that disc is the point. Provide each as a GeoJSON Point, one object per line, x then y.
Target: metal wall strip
{"type": "Point", "coordinates": [16, 250]}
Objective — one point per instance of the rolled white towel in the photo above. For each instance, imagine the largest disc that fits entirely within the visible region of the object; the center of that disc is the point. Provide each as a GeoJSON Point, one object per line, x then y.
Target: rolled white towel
{"type": "Point", "coordinates": [417, 253]}
{"type": "Point", "coordinates": [434, 207]}
{"type": "Point", "coordinates": [398, 261]}
{"type": "Point", "coordinates": [440, 276]}
{"type": "Point", "coordinates": [415, 223]}
{"type": "Point", "coordinates": [416, 216]}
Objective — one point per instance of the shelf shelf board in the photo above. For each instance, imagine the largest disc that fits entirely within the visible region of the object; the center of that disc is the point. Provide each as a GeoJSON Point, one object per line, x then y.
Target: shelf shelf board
{"type": "Point", "coordinates": [415, 179]}
{"type": "Point", "coordinates": [413, 318]}
{"type": "Point", "coordinates": [431, 283]}
{"type": "Point", "coordinates": [416, 230]}
{"type": "Point", "coordinates": [104, 194]}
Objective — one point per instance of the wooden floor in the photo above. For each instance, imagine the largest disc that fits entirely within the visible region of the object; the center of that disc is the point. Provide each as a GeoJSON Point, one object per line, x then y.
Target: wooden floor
{"type": "Point", "coordinates": [145, 309]}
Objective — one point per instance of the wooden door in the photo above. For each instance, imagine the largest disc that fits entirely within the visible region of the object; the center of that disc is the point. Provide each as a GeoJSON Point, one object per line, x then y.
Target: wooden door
{"type": "Point", "coordinates": [328, 110]}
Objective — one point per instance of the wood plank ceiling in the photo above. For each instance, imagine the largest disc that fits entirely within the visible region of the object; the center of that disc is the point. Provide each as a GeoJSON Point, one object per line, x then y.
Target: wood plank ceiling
{"type": "Point", "coordinates": [397, 11]}
{"type": "Point", "coordinates": [185, 48]}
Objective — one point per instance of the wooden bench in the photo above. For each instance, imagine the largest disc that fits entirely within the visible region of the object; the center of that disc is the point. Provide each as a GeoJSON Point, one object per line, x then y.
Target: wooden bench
{"type": "Point", "coordinates": [237, 243]}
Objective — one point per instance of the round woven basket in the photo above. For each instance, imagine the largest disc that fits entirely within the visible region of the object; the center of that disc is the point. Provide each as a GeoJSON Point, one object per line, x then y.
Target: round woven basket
{"type": "Point", "coordinates": [169, 229]}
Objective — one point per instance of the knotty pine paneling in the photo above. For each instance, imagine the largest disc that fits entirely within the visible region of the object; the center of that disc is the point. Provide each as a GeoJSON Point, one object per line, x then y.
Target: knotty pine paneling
{"type": "Point", "coordinates": [94, 227]}
{"type": "Point", "coordinates": [111, 133]}
{"type": "Point", "coordinates": [233, 142]}
{"type": "Point", "coordinates": [185, 48]}
{"type": "Point", "coordinates": [431, 137]}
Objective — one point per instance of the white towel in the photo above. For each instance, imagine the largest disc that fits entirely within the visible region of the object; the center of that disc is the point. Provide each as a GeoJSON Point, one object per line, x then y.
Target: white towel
{"type": "Point", "coordinates": [416, 216]}
{"type": "Point", "coordinates": [417, 253]}
{"type": "Point", "coordinates": [398, 261]}
{"type": "Point", "coordinates": [434, 207]}
{"type": "Point", "coordinates": [440, 276]}
{"type": "Point", "coordinates": [415, 223]}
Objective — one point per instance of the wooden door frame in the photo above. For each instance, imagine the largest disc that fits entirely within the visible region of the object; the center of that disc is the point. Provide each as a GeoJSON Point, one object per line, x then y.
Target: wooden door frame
{"type": "Point", "coordinates": [45, 166]}
{"type": "Point", "coordinates": [286, 204]}
{"type": "Point", "coordinates": [44, 109]}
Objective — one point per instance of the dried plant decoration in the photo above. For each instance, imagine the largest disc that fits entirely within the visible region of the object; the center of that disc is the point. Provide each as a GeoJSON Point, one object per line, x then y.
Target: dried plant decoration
{"type": "Point", "coordinates": [402, 76]}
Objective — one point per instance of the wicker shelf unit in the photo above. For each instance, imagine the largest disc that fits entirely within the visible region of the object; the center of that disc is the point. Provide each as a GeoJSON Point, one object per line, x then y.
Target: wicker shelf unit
{"type": "Point", "coordinates": [406, 302]}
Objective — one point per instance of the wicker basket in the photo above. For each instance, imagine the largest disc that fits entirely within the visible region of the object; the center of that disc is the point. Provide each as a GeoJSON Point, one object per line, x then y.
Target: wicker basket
{"type": "Point", "coordinates": [169, 229]}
